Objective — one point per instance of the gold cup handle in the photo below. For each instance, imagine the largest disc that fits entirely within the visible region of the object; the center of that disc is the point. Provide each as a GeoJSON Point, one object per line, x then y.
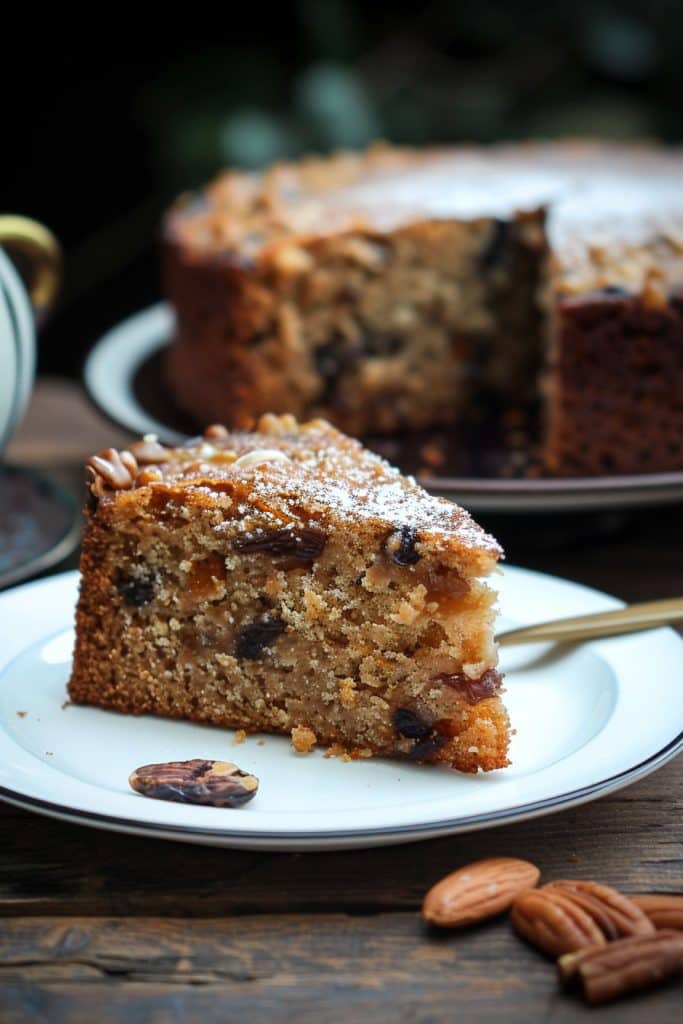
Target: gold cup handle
{"type": "Point", "coordinates": [40, 250]}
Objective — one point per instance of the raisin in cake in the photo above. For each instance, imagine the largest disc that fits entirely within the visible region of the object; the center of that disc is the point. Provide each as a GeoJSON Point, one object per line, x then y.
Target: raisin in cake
{"type": "Point", "coordinates": [394, 288]}
{"type": "Point", "coordinates": [289, 581]}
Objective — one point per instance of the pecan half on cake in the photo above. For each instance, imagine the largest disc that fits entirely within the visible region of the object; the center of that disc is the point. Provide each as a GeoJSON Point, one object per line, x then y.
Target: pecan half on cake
{"type": "Point", "coordinates": [400, 288]}
{"type": "Point", "coordinates": [288, 580]}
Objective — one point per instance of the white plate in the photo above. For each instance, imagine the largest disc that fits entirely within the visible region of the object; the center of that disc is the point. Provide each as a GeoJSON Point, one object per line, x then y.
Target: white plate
{"type": "Point", "coordinates": [589, 720]}
{"type": "Point", "coordinates": [113, 364]}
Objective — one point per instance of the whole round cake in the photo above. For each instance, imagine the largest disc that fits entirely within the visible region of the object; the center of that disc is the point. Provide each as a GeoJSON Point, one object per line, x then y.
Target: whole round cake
{"type": "Point", "coordinates": [398, 289]}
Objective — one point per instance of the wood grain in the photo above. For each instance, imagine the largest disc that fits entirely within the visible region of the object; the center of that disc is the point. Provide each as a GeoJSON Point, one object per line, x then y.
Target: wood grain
{"type": "Point", "coordinates": [632, 839]}
{"type": "Point", "coordinates": [330, 967]}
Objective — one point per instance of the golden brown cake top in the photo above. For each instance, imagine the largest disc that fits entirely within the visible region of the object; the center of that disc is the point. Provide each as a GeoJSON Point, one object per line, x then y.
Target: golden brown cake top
{"type": "Point", "coordinates": [289, 471]}
{"type": "Point", "coordinates": [612, 207]}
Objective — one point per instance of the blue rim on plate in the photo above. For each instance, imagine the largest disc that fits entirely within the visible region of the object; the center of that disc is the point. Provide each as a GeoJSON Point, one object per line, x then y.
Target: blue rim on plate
{"type": "Point", "coordinates": [524, 812]}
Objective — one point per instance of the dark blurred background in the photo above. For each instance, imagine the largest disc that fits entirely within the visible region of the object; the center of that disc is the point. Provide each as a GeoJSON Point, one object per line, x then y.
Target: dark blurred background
{"type": "Point", "coordinates": [110, 117]}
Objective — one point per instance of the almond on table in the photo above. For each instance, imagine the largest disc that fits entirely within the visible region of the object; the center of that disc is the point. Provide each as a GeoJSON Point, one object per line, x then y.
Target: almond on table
{"type": "Point", "coordinates": [478, 891]}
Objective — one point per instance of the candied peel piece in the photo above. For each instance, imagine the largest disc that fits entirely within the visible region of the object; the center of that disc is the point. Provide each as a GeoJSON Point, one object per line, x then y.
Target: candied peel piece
{"type": "Point", "coordinates": [303, 542]}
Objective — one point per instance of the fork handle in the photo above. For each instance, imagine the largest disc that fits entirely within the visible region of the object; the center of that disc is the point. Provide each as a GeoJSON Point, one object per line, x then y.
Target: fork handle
{"type": "Point", "coordinates": [630, 619]}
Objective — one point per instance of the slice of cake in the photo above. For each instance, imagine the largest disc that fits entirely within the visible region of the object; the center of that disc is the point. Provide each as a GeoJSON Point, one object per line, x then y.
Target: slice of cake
{"type": "Point", "coordinates": [289, 581]}
{"type": "Point", "coordinates": [405, 288]}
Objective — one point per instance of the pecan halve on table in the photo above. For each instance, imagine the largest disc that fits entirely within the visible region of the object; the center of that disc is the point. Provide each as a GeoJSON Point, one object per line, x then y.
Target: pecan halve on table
{"type": "Point", "coordinates": [553, 923]}
{"type": "Point", "coordinates": [610, 971]}
{"type": "Point", "coordinates": [615, 914]}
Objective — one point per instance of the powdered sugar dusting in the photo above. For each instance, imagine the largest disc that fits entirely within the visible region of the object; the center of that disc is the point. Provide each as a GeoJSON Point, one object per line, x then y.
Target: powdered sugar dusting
{"type": "Point", "coordinates": [326, 477]}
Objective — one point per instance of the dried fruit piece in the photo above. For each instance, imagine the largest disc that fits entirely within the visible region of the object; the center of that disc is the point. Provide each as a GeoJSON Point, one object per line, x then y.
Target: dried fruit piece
{"type": "Point", "coordinates": [614, 914]}
{"type": "Point", "coordinates": [304, 542]}
{"type": "Point", "coordinates": [211, 783]}
{"type": "Point", "coordinates": [607, 972]}
{"type": "Point", "coordinates": [494, 250]}
{"type": "Point", "coordinates": [136, 591]}
{"type": "Point", "coordinates": [400, 545]}
{"type": "Point", "coordinates": [331, 360]}
{"type": "Point", "coordinates": [413, 726]}
{"type": "Point", "coordinates": [473, 690]}
{"type": "Point", "coordinates": [553, 923]}
{"type": "Point", "coordinates": [410, 724]}
{"type": "Point", "coordinates": [424, 749]}
{"type": "Point", "coordinates": [478, 890]}
{"type": "Point", "coordinates": [614, 289]}
{"type": "Point", "coordinates": [665, 910]}
{"type": "Point", "coordinates": [253, 639]}
{"type": "Point", "coordinates": [380, 344]}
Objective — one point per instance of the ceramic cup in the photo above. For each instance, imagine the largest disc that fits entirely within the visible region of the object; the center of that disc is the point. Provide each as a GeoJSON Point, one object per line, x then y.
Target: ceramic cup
{"type": "Point", "coordinates": [25, 299]}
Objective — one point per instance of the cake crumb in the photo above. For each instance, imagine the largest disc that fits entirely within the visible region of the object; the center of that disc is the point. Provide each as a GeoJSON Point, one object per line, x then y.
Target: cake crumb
{"type": "Point", "coordinates": [355, 754]}
{"type": "Point", "coordinates": [22, 714]}
{"type": "Point", "coordinates": [239, 737]}
{"type": "Point", "coordinates": [272, 587]}
{"type": "Point", "coordinates": [66, 704]}
{"type": "Point", "coordinates": [260, 743]}
{"type": "Point", "coordinates": [336, 750]}
{"type": "Point", "coordinates": [347, 692]}
{"type": "Point", "coordinates": [303, 739]}
{"type": "Point", "coordinates": [315, 605]}
{"type": "Point", "coordinates": [574, 858]}
{"type": "Point", "coordinates": [410, 611]}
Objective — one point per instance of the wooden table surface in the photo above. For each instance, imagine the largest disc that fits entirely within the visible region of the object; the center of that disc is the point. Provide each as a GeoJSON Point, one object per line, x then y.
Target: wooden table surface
{"type": "Point", "coordinates": [100, 927]}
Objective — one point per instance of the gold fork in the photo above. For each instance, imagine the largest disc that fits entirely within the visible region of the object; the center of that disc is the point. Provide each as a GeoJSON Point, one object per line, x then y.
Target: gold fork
{"type": "Point", "coordinates": [631, 619]}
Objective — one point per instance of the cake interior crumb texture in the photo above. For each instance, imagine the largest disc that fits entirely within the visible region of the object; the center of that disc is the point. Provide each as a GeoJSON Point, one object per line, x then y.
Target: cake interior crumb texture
{"type": "Point", "coordinates": [289, 581]}
{"type": "Point", "coordinates": [398, 289]}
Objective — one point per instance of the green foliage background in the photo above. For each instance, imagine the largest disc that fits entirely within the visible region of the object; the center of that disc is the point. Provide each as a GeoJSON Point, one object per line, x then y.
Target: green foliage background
{"type": "Point", "coordinates": [347, 72]}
